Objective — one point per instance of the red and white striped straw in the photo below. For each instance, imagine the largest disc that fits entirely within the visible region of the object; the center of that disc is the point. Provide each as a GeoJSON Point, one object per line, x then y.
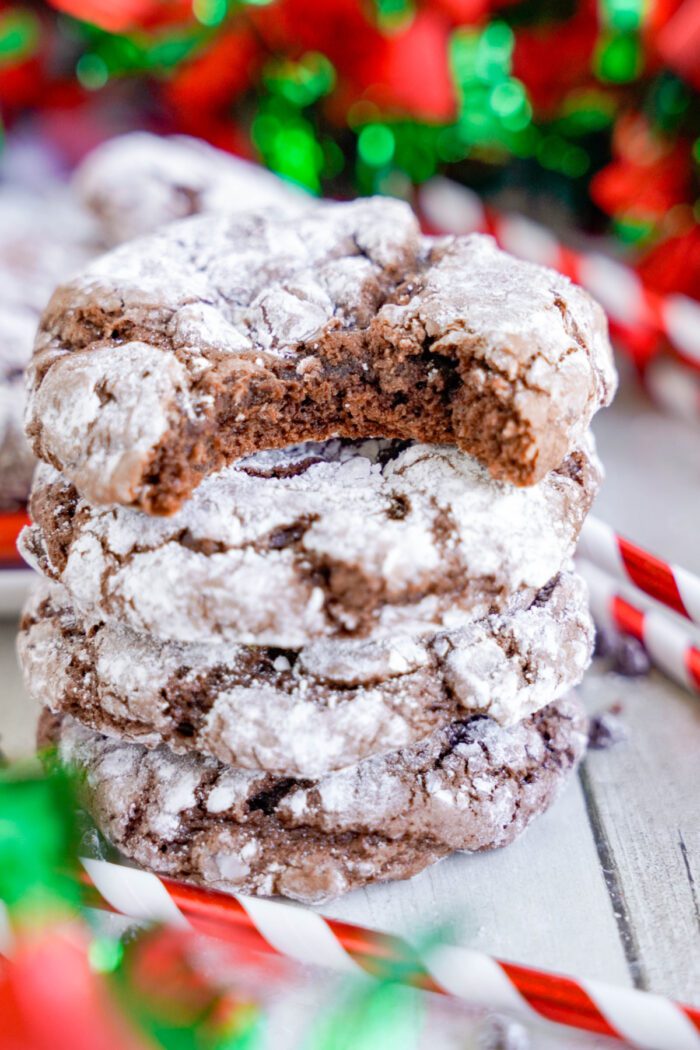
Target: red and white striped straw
{"type": "Point", "coordinates": [639, 1018]}
{"type": "Point", "coordinates": [640, 318]}
{"type": "Point", "coordinates": [669, 584]}
{"type": "Point", "coordinates": [669, 646]}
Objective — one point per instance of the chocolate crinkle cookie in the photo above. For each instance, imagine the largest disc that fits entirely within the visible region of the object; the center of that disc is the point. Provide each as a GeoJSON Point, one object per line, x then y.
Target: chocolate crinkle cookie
{"type": "Point", "coordinates": [178, 353]}
{"type": "Point", "coordinates": [338, 539]}
{"type": "Point", "coordinates": [472, 786]}
{"type": "Point", "coordinates": [303, 713]}
{"type": "Point", "coordinates": [43, 239]}
{"type": "Point", "coordinates": [133, 184]}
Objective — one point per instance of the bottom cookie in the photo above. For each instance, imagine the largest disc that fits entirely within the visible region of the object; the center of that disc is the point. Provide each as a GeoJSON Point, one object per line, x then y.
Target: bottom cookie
{"type": "Point", "coordinates": [470, 786]}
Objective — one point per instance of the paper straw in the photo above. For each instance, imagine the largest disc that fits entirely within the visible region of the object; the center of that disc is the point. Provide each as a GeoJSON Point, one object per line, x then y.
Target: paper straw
{"type": "Point", "coordinates": [639, 1018]}
{"type": "Point", "coordinates": [669, 584]}
{"type": "Point", "coordinates": [669, 646]}
{"type": "Point", "coordinates": [640, 318]}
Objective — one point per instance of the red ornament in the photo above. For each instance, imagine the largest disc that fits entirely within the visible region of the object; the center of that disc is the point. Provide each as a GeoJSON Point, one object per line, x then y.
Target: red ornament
{"type": "Point", "coordinates": [22, 73]}
{"type": "Point", "coordinates": [678, 43]}
{"type": "Point", "coordinates": [339, 29]}
{"type": "Point", "coordinates": [405, 71]}
{"type": "Point", "coordinates": [203, 90]}
{"type": "Point", "coordinates": [411, 73]}
{"type": "Point", "coordinates": [21, 84]}
{"type": "Point", "coordinates": [464, 12]}
{"type": "Point", "coordinates": [216, 77]}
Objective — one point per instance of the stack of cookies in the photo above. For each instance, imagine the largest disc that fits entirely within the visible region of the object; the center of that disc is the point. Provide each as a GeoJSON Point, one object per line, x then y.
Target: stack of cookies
{"type": "Point", "coordinates": [310, 488]}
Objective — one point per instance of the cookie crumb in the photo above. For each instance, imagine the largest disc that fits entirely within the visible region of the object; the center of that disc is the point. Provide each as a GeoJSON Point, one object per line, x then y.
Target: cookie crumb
{"type": "Point", "coordinates": [606, 642]}
{"type": "Point", "coordinates": [500, 1033]}
{"type": "Point", "coordinates": [626, 654]}
{"type": "Point", "coordinates": [631, 658]}
{"type": "Point", "coordinates": [606, 730]}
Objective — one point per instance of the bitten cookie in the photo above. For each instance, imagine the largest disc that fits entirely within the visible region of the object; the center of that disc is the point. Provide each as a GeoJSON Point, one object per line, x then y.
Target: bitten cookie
{"type": "Point", "coordinates": [183, 351]}
{"type": "Point", "coordinates": [134, 184]}
{"type": "Point", "coordinates": [306, 713]}
{"type": "Point", "coordinates": [315, 541]}
{"type": "Point", "coordinates": [43, 239]}
{"type": "Point", "coordinates": [470, 786]}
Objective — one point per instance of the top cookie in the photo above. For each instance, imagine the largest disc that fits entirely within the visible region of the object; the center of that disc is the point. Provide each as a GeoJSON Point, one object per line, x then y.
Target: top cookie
{"type": "Point", "coordinates": [180, 352]}
{"type": "Point", "coordinates": [134, 184]}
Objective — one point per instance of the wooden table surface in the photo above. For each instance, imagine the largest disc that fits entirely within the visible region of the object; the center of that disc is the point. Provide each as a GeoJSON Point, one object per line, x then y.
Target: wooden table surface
{"type": "Point", "coordinates": [607, 884]}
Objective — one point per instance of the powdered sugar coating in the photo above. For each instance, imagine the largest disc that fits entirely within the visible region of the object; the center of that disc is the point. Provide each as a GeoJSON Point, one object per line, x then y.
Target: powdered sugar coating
{"type": "Point", "coordinates": [330, 706]}
{"type": "Point", "coordinates": [82, 402]}
{"type": "Point", "coordinates": [470, 786]}
{"type": "Point", "coordinates": [135, 183]}
{"type": "Point", "coordinates": [276, 317]}
{"type": "Point", "coordinates": [478, 302]}
{"type": "Point", "coordinates": [315, 541]}
{"type": "Point", "coordinates": [44, 238]}
{"type": "Point", "coordinates": [233, 288]}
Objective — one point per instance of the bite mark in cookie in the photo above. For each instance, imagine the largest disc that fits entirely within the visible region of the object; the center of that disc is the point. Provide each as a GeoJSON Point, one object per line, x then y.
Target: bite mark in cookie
{"type": "Point", "coordinates": [344, 321]}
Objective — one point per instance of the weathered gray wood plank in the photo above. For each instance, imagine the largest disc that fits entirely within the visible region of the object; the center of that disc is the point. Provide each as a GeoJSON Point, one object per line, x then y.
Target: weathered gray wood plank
{"type": "Point", "coordinates": [542, 901]}
{"type": "Point", "coordinates": [645, 797]}
{"type": "Point", "coordinates": [17, 713]}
